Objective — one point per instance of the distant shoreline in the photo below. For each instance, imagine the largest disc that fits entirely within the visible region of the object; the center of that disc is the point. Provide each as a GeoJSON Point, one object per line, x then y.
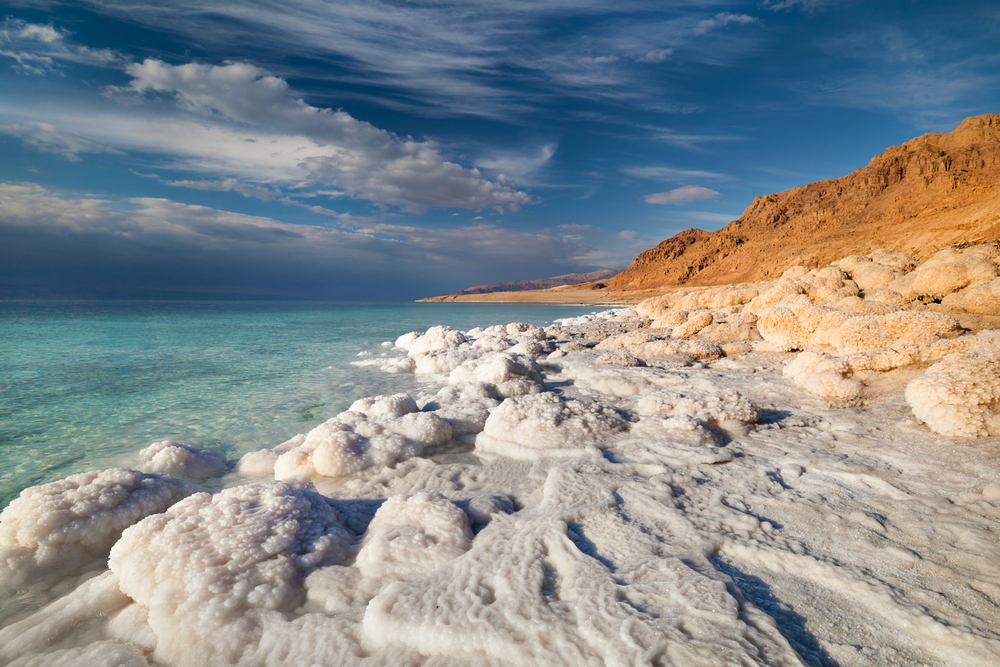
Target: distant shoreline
{"type": "Point", "coordinates": [585, 297]}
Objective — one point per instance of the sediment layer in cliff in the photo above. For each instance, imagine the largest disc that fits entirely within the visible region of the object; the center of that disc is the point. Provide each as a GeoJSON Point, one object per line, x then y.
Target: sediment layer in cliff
{"type": "Point", "coordinates": [936, 190]}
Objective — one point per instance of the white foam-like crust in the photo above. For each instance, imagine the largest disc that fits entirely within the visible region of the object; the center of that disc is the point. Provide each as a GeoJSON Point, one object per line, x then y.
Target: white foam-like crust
{"type": "Point", "coordinates": [706, 406]}
{"type": "Point", "coordinates": [824, 375]}
{"type": "Point", "coordinates": [352, 442]}
{"type": "Point", "coordinates": [180, 460]}
{"type": "Point", "coordinates": [960, 395]}
{"type": "Point", "coordinates": [209, 566]}
{"type": "Point", "coordinates": [396, 404]}
{"type": "Point", "coordinates": [65, 526]}
{"type": "Point", "coordinates": [412, 535]}
{"type": "Point", "coordinates": [545, 425]}
{"type": "Point", "coordinates": [859, 519]}
{"type": "Point", "coordinates": [945, 272]}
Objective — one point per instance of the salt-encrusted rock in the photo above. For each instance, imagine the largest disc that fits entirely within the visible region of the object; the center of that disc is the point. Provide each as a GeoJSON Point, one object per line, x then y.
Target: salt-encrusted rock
{"type": "Point", "coordinates": [435, 338]}
{"type": "Point", "coordinates": [945, 272]}
{"type": "Point", "coordinates": [546, 426]}
{"type": "Point", "coordinates": [799, 325]}
{"type": "Point", "coordinates": [213, 570]}
{"type": "Point", "coordinates": [180, 460]}
{"type": "Point", "coordinates": [396, 404]}
{"type": "Point", "coordinates": [412, 535]}
{"type": "Point", "coordinates": [823, 375]}
{"type": "Point", "coordinates": [698, 349]}
{"type": "Point", "coordinates": [69, 525]}
{"type": "Point", "coordinates": [354, 441]}
{"type": "Point", "coordinates": [870, 333]}
{"type": "Point", "coordinates": [620, 358]}
{"type": "Point", "coordinates": [981, 300]}
{"type": "Point", "coordinates": [693, 324]}
{"type": "Point", "coordinates": [960, 395]}
{"type": "Point", "coordinates": [669, 319]}
{"type": "Point", "coordinates": [700, 404]}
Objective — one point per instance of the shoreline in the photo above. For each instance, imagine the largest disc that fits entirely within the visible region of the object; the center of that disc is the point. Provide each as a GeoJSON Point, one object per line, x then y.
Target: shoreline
{"type": "Point", "coordinates": [738, 475]}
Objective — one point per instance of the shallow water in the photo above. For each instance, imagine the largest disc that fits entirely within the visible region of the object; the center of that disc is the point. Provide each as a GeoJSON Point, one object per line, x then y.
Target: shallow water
{"type": "Point", "coordinates": [85, 385]}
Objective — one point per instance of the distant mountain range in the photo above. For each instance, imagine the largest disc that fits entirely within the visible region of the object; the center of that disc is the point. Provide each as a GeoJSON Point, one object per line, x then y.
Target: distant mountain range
{"type": "Point", "coordinates": [937, 190]}
{"type": "Point", "coordinates": [544, 283]}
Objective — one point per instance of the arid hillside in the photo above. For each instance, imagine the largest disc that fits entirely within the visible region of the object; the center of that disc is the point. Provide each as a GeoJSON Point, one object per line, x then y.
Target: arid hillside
{"type": "Point", "coordinates": [933, 191]}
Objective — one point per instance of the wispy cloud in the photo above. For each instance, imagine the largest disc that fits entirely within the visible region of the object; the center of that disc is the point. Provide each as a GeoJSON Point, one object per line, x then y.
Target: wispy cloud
{"type": "Point", "coordinates": [228, 185]}
{"type": "Point", "coordinates": [666, 174]}
{"type": "Point", "coordinates": [51, 139]}
{"type": "Point", "coordinates": [41, 49]}
{"type": "Point", "coordinates": [681, 195]}
{"type": "Point", "coordinates": [488, 58]}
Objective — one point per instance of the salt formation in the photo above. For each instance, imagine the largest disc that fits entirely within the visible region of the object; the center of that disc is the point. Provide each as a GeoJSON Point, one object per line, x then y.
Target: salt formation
{"type": "Point", "coordinates": [67, 526]}
{"type": "Point", "coordinates": [180, 460]}
{"type": "Point", "coordinates": [545, 426]}
{"type": "Point", "coordinates": [960, 395]}
{"type": "Point", "coordinates": [212, 571]}
{"type": "Point", "coordinates": [719, 476]}
{"type": "Point", "coordinates": [413, 535]}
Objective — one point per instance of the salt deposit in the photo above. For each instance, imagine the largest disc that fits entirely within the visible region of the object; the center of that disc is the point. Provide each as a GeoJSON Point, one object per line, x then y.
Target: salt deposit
{"type": "Point", "coordinates": [180, 460]}
{"type": "Point", "coordinates": [800, 472]}
{"type": "Point", "coordinates": [64, 527]}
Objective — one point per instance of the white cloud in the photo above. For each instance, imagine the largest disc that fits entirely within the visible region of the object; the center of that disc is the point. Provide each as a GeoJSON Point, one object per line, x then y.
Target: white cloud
{"type": "Point", "coordinates": [713, 218]}
{"type": "Point", "coordinates": [628, 235]}
{"type": "Point", "coordinates": [122, 235]}
{"type": "Point", "coordinates": [518, 166]}
{"type": "Point", "coordinates": [51, 139]}
{"type": "Point", "coordinates": [682, 195]}
{"type": "Point", "coordinates": [723, 19]}
{"type": "Point", "coordinates": [328, 147]}
{"type": "Point", "coordinates": [228, 185]}
{"type": "Point", "coordinates": [39, 49]}
{"type": "Point", "coordinates": [656, 56]}
{"type": "Point", "coordinates": [672, 174]}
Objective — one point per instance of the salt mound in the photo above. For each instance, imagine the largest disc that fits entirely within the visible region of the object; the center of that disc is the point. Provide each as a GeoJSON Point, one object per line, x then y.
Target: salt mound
{"type": "Point", "coordinates": [180, 460]}
{"type": "Point", "coordinates": [703, 405]}
{"type": "Point", "coordinates": [960, 395]}
{"type": "Point", "coordinates": [412, 535]}
{"type": "Point", "coordinates": [870, 333]}
{"type": "Point", "coordinates": [824, 375]}
{"type": "Point", "coordinates": [981, 300]}
{"type": "Point", "coordinates": [67, 526]}
{"type": "Point", "coordinates": [353, 441]}
{"type": "Point", "coordinates": [545, 426]}
{"type": "Point", "coordinates": [464, 406]}
{"type": "Point", "coordinates": [213, 570]}
{"type": "Point", "coordinates": [435, 338]}
{"type": "Point", "coordinates": [396, 404]}
{"type": "Point", "coordinates": [945, 272]}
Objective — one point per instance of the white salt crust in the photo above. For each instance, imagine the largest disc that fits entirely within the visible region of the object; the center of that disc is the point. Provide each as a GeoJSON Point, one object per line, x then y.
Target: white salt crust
{"type": "Point", "coordinates": [180, 460]}
{"type": "Point", "coordinates": [693, 511]}
{"type": "Point", "coordinates": [63, 527]}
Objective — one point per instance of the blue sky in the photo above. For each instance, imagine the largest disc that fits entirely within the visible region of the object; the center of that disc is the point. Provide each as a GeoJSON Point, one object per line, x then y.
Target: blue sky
{"type": "Point", "coordinates": [388, 151]}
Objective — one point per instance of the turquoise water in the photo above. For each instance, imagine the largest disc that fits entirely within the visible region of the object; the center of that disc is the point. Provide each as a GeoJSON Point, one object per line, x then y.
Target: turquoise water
{"type": "Point", "coordinates": [85, 385]}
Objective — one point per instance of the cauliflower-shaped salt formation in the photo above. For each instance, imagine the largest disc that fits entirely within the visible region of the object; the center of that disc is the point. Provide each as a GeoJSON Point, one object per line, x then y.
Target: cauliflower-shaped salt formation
{"type": "Point", "coordinates": [412, 535]}
{"type": "Point", "coordinates": [945, 272]}
{"type": "Point", "coordinates": [353, 441]}
{"type": "Point", "coordinates": [960, 395]}
{"type": "Point", "coordinates": [396, 404]}
{"type": "Point", "coordinates": [67, 526]}
{"type": "Point", "coordinates": [799, 325]}
{"type": "Point", "coordinates": [695, 322]}
{"type": "Point", "coordinates": [436, 338]}
{"type": "Point", "coordinates": [512, 374]}
{"type": "Point", "coordinates": [981, 300]}
{"type": "Point", "coordinates": [703, 405]}
{"type": "Point", "coordinates": [464, 406]}
{"type": "Point", "coordinates": [213, 569]}
{"type": "Point", "coordinates": [823, 375]}
{"type": "Point", "coordinates": [180, 460]}
{"type": "Point", "coordinates": [871, 333]}
{"type": "Point", "coordinates": [546, 425]}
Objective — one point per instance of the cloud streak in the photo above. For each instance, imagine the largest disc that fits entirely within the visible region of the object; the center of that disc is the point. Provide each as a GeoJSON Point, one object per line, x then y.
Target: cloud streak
{"type": "Point", "coordinates": [681, 195]}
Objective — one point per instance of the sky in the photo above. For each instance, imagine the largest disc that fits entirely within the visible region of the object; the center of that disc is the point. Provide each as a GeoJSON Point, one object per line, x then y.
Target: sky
{"type": "Point", "coordinates": [359, 150]}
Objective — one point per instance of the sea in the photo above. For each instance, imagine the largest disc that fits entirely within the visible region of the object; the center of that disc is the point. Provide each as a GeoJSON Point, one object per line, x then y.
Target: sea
{"type": "Point", "coordinates": [84, 385]}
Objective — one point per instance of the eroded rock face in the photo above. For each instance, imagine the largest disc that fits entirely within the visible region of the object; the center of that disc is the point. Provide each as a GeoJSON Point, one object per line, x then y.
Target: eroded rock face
{"type": "Point", "coordinates": [925, 193]}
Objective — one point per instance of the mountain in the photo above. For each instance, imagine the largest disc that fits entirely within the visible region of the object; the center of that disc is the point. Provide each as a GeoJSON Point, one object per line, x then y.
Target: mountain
{"type": "Point", "coordinates": [543, 283]}
{"type": "Point", "coordinates": [937, 190]}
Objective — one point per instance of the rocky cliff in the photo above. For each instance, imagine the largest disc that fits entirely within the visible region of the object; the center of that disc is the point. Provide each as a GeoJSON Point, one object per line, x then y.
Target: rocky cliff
{"type": "Point", "coordinates": [936, 190]}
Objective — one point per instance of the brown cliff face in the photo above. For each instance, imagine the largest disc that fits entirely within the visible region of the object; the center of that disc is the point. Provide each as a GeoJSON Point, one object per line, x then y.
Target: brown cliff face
{"type": "Point", "coordinates": [931, 192]}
